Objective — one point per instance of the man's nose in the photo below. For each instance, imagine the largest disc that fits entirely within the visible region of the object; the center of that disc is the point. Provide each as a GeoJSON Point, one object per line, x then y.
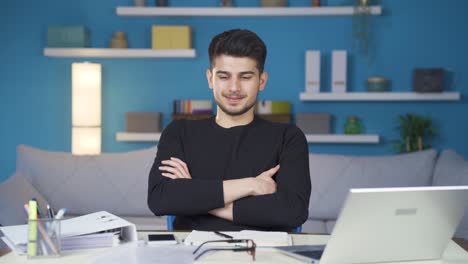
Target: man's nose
{"type": "Point", "coordinates": [234, 85]}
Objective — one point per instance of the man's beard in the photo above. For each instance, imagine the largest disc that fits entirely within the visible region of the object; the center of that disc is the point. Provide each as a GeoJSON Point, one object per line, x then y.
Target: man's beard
{"type": "Point", "coordinates": [236, 113]}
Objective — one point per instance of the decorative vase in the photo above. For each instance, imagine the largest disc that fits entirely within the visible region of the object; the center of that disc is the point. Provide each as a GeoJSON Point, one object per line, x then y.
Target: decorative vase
{"type": "Point", "coordinates": [353, 126]}
{"type": "Point", "coordinates": [272, 3]}
{"type": "Point", "coordinates": [161, 3]}
{"type": "Point", "coordinates": [119, 41]}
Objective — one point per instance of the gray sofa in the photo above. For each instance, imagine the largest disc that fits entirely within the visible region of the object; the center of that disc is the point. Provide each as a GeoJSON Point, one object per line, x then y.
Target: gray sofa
{"type": "Point", "coordinates": [117, 183]}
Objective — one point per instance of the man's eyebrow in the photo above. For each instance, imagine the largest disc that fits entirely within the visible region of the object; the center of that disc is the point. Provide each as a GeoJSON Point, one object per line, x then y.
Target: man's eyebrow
{"type": "Point", "coordinates": [240, 73]}
{"type": "Point", "coordinates": [223, 72]}
{"type": "Point", "coordinates": [246, 72]}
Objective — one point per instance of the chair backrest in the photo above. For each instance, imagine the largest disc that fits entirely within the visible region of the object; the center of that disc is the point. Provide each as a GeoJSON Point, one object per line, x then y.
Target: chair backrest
{"type": "Point", "coordinates": [170, 224]}
{"type": "Point", "coordinates": [297, 229]}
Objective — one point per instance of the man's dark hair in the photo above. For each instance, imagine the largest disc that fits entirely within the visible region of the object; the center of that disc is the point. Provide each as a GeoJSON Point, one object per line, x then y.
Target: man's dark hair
{"type": "Point", "coordinates": [238, 43]}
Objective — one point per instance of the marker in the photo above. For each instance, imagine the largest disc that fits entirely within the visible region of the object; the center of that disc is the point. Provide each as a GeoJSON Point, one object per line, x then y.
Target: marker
{"type": "Point", "coordinates": [39, 212]}
{"type": "Point", "coordinates": [32, 234]}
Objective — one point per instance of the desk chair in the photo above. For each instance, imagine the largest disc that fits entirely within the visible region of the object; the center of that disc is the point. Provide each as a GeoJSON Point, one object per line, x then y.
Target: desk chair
{"type": "Point", "coordinates": [170, 226]}
{"type": "Point", "coordinates": [170, 222]}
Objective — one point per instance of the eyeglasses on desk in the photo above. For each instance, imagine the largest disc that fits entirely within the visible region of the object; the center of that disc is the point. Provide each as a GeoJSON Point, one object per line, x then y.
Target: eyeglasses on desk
{"type": "Point", "coordinates": [249, 247]}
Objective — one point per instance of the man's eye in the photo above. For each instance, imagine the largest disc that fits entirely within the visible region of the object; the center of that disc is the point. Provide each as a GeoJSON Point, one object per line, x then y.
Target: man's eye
{"type": "Point", "coordinates": [246, 77]}
{"type": "Point", "coordinates": [223, 77]}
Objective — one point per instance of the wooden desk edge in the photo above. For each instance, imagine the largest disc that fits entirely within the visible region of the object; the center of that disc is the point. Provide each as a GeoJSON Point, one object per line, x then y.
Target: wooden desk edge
{"type": "Point", "coordinates": [462, 243]}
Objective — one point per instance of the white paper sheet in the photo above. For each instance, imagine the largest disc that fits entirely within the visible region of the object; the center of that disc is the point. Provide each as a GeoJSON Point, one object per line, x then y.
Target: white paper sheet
{"type": "Point", "coordinates": [176, 254]}
{"type": "Point", "coordinates": [262, 239]}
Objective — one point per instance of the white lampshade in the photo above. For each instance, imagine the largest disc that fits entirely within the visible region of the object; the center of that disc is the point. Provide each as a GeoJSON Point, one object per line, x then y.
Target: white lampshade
{"type": "Point", "coordinates": [86, 108]}
{"type": "Point", "coordinates": [86, 140]}
{"type": "Point", "coordinates": [86, 94]}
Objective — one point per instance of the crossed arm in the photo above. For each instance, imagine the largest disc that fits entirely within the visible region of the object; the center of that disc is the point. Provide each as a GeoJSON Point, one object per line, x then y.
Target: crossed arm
{"type": "Point", "coordinates": [233, 190]}
{"type": "Point", "coordinates": [255, 201]}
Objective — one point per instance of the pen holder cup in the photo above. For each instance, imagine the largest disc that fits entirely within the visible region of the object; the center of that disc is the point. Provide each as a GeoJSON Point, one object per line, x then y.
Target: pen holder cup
{"type": "Point", "coordinates": [44, 238]}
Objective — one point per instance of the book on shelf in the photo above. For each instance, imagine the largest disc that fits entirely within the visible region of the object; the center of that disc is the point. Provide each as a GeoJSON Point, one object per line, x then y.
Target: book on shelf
{"type": "Point", "coordinates": [273, 107]}
{"type": "Point", "coordinates": [194, 107]}
{"type": "Point", "coordinates": [274, 111]}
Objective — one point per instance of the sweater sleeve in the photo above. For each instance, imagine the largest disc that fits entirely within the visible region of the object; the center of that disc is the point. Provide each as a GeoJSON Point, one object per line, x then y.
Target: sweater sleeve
{"type": "Point", "coordinates": [288, 207]}
{"type": "Point", "coordinates": [180, 196]}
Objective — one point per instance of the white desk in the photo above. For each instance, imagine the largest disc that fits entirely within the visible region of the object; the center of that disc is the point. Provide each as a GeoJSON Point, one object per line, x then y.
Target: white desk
{"type": "Point", "coordinates": [454, 254]}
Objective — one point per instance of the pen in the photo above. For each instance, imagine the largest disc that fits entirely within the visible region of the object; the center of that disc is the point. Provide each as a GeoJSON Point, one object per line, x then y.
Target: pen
{"type": "Point", "coordinates": [53, 212]}
{"type": "Point", "coordinates": [26, 210]}
{"type": "Point", "coordinates": [49, 211]}
{"type": "Point", "coordinates": [60, 213]}
{"type": "Point", "coordinates": [223, 235]}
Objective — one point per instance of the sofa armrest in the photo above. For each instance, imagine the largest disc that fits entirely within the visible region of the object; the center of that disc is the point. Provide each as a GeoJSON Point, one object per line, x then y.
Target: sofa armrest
{"type": "Point", "coordinates": [14, 193]}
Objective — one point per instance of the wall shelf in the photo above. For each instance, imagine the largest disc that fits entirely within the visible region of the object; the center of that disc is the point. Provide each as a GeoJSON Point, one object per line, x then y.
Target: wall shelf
{"type": "Point", "coordinates": [137, 137]}
{"type": "Point", "coordinates": [326, 138]}
{"type": "Point", "coordinates": [242, 11]}
{"type": "Point", "coordinates": [380, 96]}
{"type": "Point", "coordinates": [331, 138]}
{"type": "Point", "coordinates": [118, 53]}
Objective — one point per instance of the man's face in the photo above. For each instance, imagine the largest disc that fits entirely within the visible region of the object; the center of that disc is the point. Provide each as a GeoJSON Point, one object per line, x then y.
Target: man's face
{"type": "Point", "coordinates": [235, 82]}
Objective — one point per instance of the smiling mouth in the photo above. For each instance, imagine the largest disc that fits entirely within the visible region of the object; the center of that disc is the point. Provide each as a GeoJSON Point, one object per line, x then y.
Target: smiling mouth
{"type": "Point", "coordinates": [234, 99]}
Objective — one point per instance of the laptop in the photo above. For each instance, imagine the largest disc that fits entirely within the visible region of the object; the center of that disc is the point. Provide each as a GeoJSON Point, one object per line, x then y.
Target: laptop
{"type": "Point", "coordinates": [390, 224]}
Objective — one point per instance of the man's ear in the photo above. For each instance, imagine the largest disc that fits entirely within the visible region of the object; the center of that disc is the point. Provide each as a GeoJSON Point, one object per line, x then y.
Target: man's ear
{"type": "Point", "coordinates": [263, 80]}
{"type": "Point", "coordinates": [209, 78]}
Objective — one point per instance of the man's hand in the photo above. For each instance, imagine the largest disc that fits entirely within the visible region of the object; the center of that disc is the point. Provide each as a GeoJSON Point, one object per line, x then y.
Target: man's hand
{"type": "Point", "coordinates": [224, 212]}
{"type": "Point", "coordinates": [175, 169]}
{"type": "Point", "coordinates": [264, 184]}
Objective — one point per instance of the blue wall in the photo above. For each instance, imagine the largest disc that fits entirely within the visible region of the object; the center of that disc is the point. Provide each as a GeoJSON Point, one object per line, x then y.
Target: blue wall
{"type": "Point", "coordinates": [35, 107]}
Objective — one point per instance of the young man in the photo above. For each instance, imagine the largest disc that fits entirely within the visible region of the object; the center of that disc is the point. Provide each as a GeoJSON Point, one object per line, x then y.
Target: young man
{"type": "Point", "coordinates": [234, 171]}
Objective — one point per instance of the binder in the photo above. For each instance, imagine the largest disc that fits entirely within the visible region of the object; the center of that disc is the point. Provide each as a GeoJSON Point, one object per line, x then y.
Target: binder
{"type": "Point", "coordinates": [100, 229]}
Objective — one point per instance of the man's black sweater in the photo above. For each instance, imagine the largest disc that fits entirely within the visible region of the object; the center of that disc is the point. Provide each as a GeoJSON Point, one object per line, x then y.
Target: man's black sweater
{"type": "Point", "coordinates": [213, 154]}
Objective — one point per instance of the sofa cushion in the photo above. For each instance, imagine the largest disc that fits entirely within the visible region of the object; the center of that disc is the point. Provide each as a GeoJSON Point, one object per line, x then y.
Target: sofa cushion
{"type": "Point", "coordinates": [14, 193]}
{"type": "Point", "coordinates": [333, 175]}
{"type": "Point", "coordinates": [452, 169]}
{"type": "Point", "coordinates": [314, 227]}
{"type": "Point", "coordinates": [115, 182]}
{"type": "Point", "coordinates": [329, 225]}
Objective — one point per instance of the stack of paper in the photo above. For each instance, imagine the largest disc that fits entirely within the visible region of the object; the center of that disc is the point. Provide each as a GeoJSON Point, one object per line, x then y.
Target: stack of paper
{"type": "Point", "coordinates": [261, 239]}
{"type": "Point", "coordinates": [91, 241]}
{"type": "Point", "coordinates": [74, 243]}
{"type": "Point", "coordinates": [100, 229]}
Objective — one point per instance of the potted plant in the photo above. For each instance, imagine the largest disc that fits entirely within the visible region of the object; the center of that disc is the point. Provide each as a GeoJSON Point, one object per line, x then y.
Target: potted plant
{"type": "Point", "coordinates": [415, 131]}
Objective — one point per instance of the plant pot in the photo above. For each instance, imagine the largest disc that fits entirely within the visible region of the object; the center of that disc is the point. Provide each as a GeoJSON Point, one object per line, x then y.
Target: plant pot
{"type": "Point", "coordinates": [377, 84]}
{"type": "Point", "coordinates": [353, 126]}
